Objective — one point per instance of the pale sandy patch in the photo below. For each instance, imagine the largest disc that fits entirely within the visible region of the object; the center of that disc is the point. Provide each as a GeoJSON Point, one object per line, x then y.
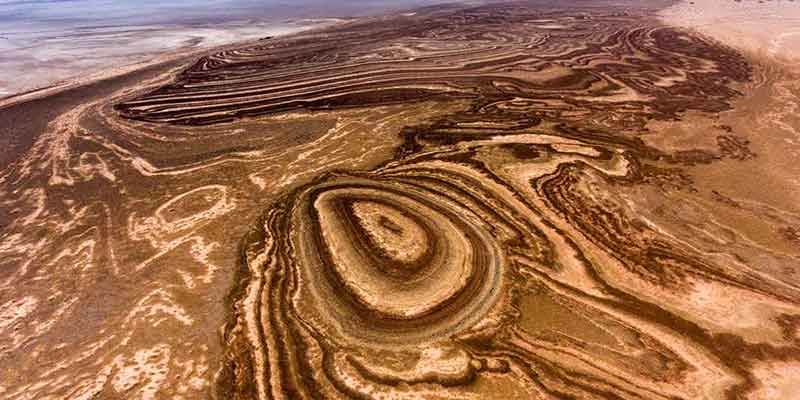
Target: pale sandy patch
{"type": "Point", "coordinates": [769, 28]}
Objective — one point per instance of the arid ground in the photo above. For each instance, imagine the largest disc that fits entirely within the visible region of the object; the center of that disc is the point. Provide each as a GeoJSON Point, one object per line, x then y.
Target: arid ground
{"type": "Point", "coordinates": [528, 200]}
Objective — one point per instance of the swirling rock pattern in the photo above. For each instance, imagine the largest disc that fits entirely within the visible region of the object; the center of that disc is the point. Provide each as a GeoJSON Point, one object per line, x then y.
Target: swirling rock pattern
{"type": "Point", "coordinates": [499, 201]}
{"type": "Point", "coordinates": [493, 256]}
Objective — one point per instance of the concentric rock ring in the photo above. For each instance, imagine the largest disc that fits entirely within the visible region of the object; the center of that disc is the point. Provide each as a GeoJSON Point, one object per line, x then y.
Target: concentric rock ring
{"type": "Point", "coordinates": [492, 249]}
{"type": "Point", "coordinates": [397, 262]}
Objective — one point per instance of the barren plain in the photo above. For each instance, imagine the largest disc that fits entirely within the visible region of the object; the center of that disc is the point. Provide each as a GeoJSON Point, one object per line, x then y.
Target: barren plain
{"type": "Point", "coordinates": [527, 200]}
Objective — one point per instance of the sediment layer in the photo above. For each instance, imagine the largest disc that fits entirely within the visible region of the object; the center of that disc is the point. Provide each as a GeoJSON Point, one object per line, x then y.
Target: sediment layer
{"type": "Point", "coordinates": [496, 201]}
{"type": "Point", "coordinates": [426, 277]}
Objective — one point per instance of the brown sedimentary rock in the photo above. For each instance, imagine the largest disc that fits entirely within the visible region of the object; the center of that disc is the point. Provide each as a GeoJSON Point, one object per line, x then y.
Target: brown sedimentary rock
{"type": "Point", "coordinates": [409, 280]}
{"type": "Point", "coordinates": [467, 202]}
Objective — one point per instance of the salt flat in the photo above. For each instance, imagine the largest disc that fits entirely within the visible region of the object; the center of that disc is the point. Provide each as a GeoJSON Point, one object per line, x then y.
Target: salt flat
{"type": "Point", "coordinates": [47, 43]}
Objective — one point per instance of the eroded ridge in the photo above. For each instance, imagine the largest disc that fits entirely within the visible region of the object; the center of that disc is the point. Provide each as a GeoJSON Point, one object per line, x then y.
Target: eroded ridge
{"type": "Point", "coordinates": [496, 54]}
{"type": "Point", "coordinates": [499, 253]}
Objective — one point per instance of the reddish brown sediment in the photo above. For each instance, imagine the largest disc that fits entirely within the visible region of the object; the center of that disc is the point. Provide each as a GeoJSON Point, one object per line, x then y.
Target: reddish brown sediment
{"type": "Point", "coordinates": [498, 201]}
{"type": "Point", "coordinates": [536, 160]}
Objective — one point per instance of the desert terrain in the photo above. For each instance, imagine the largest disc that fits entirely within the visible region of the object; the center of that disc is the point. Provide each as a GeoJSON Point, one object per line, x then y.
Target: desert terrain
{"type": "Point", "coordinates": [526, 200]}
{"type": "Point", "coordinates": [47, 45]}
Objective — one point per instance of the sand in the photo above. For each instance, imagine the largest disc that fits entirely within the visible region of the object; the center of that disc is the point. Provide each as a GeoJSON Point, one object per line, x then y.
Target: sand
{"type": "Point", "coordinates": [761, 28]}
